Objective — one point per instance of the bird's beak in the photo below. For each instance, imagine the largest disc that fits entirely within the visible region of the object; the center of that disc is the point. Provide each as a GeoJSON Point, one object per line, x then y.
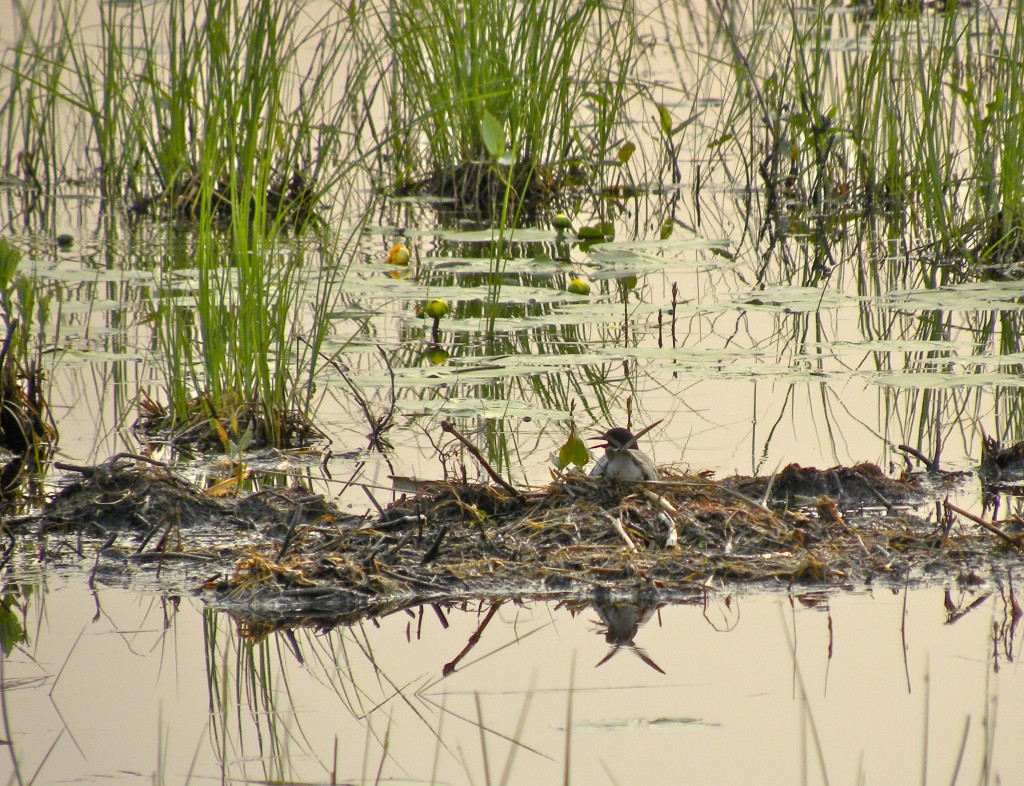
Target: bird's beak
{"type": "Point", "coordinates": [644, 431]}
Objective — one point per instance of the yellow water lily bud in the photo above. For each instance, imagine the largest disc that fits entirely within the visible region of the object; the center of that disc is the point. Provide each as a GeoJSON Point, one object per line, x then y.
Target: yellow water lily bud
{"type": "Point", "coordinates": [435, 309]}
{"type": "Point", "coordinates": [579, 286]}
{"type": "Point", "coordinates": [399, 255]}
{"type": "Point", "coordinates": [561, 222]}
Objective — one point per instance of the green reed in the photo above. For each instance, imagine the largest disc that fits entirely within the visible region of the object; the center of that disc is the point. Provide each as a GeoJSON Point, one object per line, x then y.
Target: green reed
{"type": "Point", "coordinates": [911, 112]}
{"type": "Point", "coordinates": [243, 339]}
{"type": "Point", "coordinates": [229, 115]}
{"type": "Point", "coordinates": [33, 68]}
{"type": "Point", "coordinates": [552, 75]}
{"type": "Point", "coordinates": [162, 98]}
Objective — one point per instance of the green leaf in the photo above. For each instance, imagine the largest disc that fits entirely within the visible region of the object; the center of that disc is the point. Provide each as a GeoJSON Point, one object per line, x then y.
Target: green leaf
{"type": "Point", "coordinates": [574, 451]}
{"type": "Point", "coordinates": [9, 258]}
{"type": "Point", "coordinates": [603, 230]}
{"type": "Point", "coordinates": [245, 440]}
{"type": "Point", "coordinates": [493, 132]}
{"type": "Point", "coordinates": [716, 143]}
{"type": "Point", "coordinates": [11, 632]}
{"type": "Point", "coordinates": [626, 152]}
{"type": "Point", "coordinates": [666, 120]}
{"type": "Point", "coordinates": [686, 122]}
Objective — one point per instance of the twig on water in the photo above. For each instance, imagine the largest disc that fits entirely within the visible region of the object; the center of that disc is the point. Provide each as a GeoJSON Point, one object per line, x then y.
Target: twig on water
{"type": "Point", "coordinates": [932, 465]}
{"type": "Point", "coordinates": [449, 668]}
{"type": "Point", "coordinates": [1015, 542]}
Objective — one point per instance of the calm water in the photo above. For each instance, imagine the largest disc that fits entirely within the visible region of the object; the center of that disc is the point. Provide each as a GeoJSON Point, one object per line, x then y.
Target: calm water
{"type": "Point", "coordinates": [866, 686]}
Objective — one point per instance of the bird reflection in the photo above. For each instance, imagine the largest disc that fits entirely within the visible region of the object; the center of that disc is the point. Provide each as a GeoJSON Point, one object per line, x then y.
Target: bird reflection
{"type": "Point", "coordinates": [620, 621]}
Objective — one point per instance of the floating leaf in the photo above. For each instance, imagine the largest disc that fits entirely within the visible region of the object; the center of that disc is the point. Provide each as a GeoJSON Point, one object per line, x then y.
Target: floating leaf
{"type": "Point", "coordinates": [603, 230]}
{"type": "Point", "coordinates": [982, 295]}
{"type": "Point", "coordinates": [929, 380]}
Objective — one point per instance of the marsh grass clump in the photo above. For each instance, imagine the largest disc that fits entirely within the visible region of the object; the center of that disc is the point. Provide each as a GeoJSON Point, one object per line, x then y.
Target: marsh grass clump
{"type": "Point", "coordinates": [230, 425]}
{"type": "Point", "coordinates": [232, 117]}
{"type": "Point", "coordinates": [242, 114]}
{"type": "Point", "coordinates": [184, 107]}
{"type": "Point", "coordinates": [484, 97]}
{"type": "Point", "coordinates": [919, 121]}
{"type": "Point", "coordinates": [239, 336]}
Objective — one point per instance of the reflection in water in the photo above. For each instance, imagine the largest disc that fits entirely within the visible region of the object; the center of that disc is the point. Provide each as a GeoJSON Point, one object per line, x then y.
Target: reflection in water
{"type": "Point", "coordinates": [620, 621]}
{"type": "Point", "coordinates": [459, 693]}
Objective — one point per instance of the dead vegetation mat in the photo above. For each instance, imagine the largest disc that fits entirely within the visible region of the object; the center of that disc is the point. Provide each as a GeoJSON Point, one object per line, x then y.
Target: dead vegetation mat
{"type": "Point", "coordinates": [285, 552]}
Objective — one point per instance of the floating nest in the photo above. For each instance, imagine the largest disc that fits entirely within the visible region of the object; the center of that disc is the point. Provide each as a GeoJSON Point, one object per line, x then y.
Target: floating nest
{"type": "Point", "coordinates": [287, 556]}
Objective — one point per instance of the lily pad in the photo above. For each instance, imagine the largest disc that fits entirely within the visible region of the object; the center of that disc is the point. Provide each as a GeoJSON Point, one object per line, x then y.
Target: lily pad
{"type": "Point", "coordinates": [978, 296]}
{"type": "Point", "coordinates": [529, 235]}
{"type": "Point", "coordinates": [480, 408]}
{"type": "Point", "coordinates": [789, 299]}
{"type": "Point", "coordinates": [924, 380]}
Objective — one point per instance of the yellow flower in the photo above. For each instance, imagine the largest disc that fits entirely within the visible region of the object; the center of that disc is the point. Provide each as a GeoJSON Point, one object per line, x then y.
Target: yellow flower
{"type": "Point", "coordinates": [399, 255]}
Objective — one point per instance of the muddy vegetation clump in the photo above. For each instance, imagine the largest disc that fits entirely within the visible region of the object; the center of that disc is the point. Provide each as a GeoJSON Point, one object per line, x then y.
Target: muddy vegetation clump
{"type": "Point", "coordinates": [479, 189]}
{"type": "Point", "coordinates": [212, 426]}
{"type": "Point", "coordinates": [287, 553]}
{"type": "Point", "coordinates": [136, 510]}
{"type": "Point", "coordinates": [290, 201]}
{"type": "Point", "coordinates": [27, 431]}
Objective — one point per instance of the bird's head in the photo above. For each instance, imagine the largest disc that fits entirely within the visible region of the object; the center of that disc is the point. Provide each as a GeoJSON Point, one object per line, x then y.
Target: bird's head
{"type": "Point", "coordinates": [616, 439]}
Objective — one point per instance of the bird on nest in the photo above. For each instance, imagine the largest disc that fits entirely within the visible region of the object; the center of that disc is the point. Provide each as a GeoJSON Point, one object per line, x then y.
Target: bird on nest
{"type": "Point", "coordinates": [622, 459]}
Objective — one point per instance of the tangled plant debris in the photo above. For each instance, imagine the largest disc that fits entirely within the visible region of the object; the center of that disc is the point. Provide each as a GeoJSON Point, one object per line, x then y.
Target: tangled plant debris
{"type": "Point", "coordinates": [289, 554]}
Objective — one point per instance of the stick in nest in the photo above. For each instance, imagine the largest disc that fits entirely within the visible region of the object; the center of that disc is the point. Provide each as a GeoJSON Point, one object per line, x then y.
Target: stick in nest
{"type": "Point", "coordinates": [448, 428]}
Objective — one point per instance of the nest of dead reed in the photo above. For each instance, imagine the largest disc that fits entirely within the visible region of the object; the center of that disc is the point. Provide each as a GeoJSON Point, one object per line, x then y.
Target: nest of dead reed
{"type": "Point", "coordinates": [456, 540]}
{"type": "Point", "coordinates": [285, 556]}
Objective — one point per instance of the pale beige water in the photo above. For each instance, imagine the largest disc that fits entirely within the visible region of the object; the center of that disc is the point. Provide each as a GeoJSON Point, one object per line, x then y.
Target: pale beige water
{"type": "Point", "coordinates": [117, 684]}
